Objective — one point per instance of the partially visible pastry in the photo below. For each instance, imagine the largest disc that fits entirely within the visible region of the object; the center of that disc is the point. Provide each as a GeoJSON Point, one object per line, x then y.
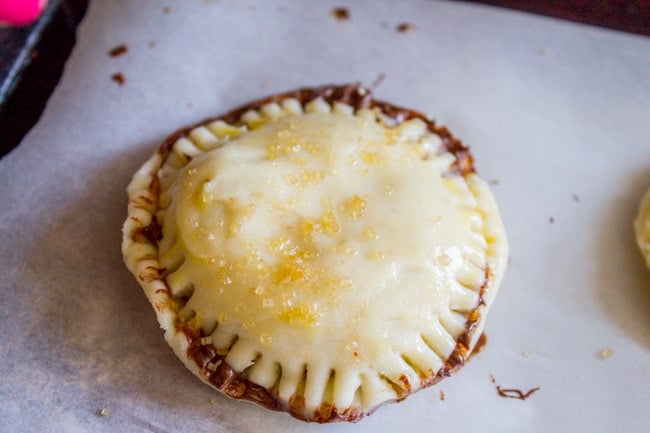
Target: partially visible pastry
{"type": "Point", "coordinates": [316, 252]}
{"type": "Point", "coordinates": [642, 227]}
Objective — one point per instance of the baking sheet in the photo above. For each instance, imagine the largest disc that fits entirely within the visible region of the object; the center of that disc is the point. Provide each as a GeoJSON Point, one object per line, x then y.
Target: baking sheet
{"type": "Point", "coordinates": [557, 116]}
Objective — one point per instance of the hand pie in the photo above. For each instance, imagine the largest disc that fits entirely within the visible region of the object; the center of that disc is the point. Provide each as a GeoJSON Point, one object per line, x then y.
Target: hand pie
{"type": "Point", "coordinates": [317, 252]}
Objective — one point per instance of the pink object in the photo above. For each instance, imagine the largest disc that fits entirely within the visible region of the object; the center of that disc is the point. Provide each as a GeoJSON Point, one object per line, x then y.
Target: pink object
{"type": "Point", "coordinates": [21, 12]}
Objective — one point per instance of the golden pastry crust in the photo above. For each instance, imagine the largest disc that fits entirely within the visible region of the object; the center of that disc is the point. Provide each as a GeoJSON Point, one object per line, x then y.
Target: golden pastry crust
{"type": "Point", "coordinates": [642, 227]}
{"type": "Point", "coordinates": [203, 350]}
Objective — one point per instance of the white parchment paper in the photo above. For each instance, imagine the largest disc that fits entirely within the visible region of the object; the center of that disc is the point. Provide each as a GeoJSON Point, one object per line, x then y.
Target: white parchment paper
{"type": "Point", "coordinates": [557, 114]}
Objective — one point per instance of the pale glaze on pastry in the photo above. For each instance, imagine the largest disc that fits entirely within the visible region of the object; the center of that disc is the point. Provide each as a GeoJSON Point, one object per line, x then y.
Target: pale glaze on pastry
{"type": "Point", "coordinates": [332, 259]}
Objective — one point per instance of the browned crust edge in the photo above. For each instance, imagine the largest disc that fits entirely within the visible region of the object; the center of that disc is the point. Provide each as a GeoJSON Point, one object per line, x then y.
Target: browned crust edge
{"type": "Point", "coordinates": [354, 95]}
{"type": "Point", "coordinates": [212, 365]}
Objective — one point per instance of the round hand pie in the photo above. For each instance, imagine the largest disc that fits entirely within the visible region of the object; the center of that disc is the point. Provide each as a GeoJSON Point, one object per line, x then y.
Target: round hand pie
{"type": "Point", "coordinates": [642, 227]}
{"type": "Point", "coordinates": [317, 252]}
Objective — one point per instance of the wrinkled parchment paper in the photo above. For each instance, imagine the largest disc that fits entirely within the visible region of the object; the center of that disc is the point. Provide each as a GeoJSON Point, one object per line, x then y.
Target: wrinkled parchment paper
{"type": "Point", "coordinates": [557, 115]}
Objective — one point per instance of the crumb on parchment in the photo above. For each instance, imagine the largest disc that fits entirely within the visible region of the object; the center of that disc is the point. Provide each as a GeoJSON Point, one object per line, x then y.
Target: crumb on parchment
{"type": "Point", "coordinates": [405, 27]}
{"type": "Point", "coordinates": [118, 77]}
{"type": "Point", "coordinates": [118, 50]}
{"type": "Point", "coordinates": [606, 353]}
{"type": "Point", "coordinates": [341, 14]}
